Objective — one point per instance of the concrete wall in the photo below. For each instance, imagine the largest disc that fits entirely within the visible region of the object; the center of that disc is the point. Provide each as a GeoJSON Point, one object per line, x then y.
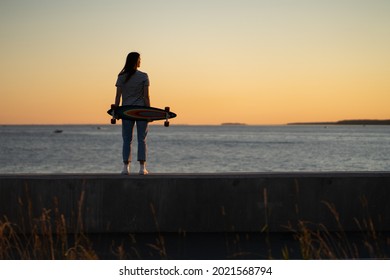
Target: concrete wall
{"type": "Point", "coordinates": [199, 203]}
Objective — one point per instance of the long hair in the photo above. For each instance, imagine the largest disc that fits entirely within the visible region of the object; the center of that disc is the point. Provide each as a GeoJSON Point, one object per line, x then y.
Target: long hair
{"type": "Point", "coordinates": [130, 65]}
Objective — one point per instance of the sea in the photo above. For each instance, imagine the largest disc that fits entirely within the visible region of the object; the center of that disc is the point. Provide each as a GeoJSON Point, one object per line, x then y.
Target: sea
{"type": "Point", "coordinates": [53, 149]}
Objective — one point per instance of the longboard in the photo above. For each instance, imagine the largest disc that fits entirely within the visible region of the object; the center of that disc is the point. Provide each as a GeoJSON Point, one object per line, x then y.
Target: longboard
{"type": "Point", "coordinates": [140, 113]}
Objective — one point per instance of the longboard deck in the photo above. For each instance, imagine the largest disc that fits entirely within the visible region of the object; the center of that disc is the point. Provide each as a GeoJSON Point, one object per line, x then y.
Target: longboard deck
{"type": "Point", "coordinates": [141, 113]}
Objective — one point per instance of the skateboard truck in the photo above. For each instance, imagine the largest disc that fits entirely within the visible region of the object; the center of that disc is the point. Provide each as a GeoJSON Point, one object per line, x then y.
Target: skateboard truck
{"type": "Point", "coordinates": [113, 119]}
{"type": "Point", "coordinates": [166, 123]}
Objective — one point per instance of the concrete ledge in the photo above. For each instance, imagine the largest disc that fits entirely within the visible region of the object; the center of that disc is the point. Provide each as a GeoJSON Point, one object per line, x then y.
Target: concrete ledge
{"type": "Point", "coordinates": [199, 203]}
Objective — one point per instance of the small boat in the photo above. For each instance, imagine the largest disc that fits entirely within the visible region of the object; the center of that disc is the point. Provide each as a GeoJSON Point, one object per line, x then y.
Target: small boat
{"type": "Point", "coordinates": [58, 131]}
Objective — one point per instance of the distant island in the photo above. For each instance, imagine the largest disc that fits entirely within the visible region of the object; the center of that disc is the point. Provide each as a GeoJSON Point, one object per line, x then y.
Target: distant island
{"type": "Point", "coordinates": [346, 122]}
{"type": "Point", "coordinates": [232, 123]}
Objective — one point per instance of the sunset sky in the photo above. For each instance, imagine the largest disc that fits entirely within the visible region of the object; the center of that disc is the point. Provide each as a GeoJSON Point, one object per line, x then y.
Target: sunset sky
{"type": "Point", "coordinates": [211, 61]}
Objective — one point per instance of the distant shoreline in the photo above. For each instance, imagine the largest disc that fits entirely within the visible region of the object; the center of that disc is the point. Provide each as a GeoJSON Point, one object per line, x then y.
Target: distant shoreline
{"type": "Point", "coordinates": [346, 122]}
{"type": "Point", "coordinates": [343, 122]}
{"type": "Point", "coordinates": [233, 123]}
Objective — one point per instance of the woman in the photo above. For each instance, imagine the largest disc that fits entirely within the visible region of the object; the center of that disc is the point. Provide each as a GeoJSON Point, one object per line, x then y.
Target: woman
{"type": "Point", "coordinates": [132, 86]}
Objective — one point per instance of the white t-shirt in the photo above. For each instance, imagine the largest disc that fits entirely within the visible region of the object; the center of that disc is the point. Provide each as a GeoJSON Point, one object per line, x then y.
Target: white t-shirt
{"type": "Point", "coordinates": [133, 89]}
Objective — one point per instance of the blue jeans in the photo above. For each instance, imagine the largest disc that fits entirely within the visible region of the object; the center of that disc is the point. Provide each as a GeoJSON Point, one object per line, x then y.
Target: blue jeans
{"type": "Point", "coordinates": [127, 135]}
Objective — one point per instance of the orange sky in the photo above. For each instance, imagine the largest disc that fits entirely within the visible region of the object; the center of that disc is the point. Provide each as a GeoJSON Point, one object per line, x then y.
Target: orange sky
{"type": "Point", "coordinates": [211, 61]}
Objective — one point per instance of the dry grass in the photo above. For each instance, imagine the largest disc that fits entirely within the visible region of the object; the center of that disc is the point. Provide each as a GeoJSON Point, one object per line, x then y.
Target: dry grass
{"type": "Point", "coordinates": [48, 238]}
{"type": "Point", "coordinates": [317, 242]}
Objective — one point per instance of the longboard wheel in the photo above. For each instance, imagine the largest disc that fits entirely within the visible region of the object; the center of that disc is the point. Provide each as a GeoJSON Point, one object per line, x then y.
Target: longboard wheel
{"type": "Point", "coordinates": [113, 120]}
{"type": "Point", "coordinates": [166, 123]}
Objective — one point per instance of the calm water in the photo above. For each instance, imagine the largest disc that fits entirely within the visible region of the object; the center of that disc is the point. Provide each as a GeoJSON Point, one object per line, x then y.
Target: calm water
{"type": "Point", "coordinates": [177, 149]}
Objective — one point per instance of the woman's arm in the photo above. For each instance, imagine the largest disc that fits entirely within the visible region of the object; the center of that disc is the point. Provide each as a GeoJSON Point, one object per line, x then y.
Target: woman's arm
{"type": "Point", "coordinates": [146, 96]}
{"type": "Point", "coordinates": [118, 96]}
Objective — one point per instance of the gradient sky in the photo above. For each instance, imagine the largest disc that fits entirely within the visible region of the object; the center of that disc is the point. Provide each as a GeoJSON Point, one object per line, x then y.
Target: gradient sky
{"type": "Point", "coordinates": [211, 61]}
